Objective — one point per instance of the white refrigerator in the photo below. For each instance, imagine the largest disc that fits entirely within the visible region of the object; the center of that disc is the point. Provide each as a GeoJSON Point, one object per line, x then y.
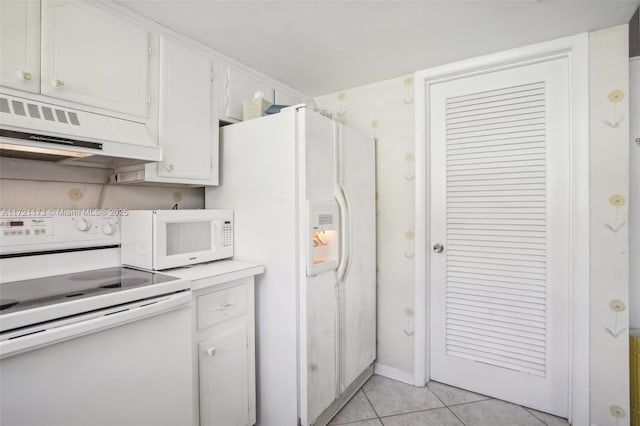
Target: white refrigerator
{"type": "Point", "coordinates": [302, 188]}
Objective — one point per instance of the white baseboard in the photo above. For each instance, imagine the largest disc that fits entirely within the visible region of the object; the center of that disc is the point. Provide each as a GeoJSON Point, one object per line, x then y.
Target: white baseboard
{"type": "Point", "coordinates": [392, 373]}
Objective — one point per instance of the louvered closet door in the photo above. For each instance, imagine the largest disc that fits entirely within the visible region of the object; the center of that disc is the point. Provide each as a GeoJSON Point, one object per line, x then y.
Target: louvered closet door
{"type": "Point", "coordinates": [500, 207]}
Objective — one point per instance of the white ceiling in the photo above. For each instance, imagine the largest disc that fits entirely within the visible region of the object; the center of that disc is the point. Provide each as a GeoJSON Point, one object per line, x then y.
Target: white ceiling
{"type": "Point", "coordinates": [320, 47]}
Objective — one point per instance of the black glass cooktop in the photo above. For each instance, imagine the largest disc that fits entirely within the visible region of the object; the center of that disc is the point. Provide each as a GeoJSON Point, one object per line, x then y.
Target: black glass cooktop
{"type": "Point", "coordinates": [34, 293]}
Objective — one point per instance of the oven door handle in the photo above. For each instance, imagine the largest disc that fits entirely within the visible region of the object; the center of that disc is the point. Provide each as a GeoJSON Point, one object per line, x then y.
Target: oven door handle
{"type": "Point", "coordinates": [112, 318]}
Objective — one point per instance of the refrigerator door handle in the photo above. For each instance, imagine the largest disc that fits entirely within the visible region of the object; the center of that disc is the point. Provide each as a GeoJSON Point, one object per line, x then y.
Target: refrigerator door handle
{"type": "Point", "coordinates": [342, 205]}
{"type": "Point", "coordinates": [345, 209]}
{"type": "Point", "coordinates": [347, 234]}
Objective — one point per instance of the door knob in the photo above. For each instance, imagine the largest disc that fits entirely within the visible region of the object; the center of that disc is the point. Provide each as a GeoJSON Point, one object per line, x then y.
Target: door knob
{"type": "Point", "coordinates": [438, 248]}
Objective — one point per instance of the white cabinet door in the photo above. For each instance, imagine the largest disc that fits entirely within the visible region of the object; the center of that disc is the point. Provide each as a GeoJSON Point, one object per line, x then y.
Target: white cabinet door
{"type": "Point", "coordinates": [188, 129]}
{"type": "Point", "coordinates": [239, 87]}
{"type": "Point", "coordinates": [20, 44]}
{"type": "Point", "coordinates": [224, 378]}
{"type": "Point", "coordinates": [93, 57]}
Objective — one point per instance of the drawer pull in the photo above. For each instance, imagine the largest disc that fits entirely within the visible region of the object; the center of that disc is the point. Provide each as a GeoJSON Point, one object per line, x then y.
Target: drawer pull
{"type": "Point", "coordinates": [224, 307]}
{"type": "Point", "coordinates": [211, 351]}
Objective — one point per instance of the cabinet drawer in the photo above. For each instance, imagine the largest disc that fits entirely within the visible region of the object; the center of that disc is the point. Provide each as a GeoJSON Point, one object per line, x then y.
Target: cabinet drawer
{"type": "Point", "coordinates": [221, 305]}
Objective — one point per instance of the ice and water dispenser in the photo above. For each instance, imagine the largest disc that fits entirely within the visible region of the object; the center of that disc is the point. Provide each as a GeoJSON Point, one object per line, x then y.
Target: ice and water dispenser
{"type": "Point", "coordinates": [323, 221]}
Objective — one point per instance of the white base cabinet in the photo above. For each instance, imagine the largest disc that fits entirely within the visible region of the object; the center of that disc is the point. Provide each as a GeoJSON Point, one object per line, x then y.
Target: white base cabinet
{"type": "Point", "coordinates": [223, 376]}
{"type": "Point", "coordinates": [223, 342]}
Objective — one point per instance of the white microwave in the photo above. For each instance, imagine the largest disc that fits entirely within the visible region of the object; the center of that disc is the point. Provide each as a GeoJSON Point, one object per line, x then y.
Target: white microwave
{"type": "Point", "coordinates": [162, 239]}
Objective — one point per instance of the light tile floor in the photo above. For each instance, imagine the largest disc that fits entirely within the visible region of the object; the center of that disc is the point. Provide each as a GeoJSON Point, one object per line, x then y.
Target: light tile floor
{"type": "Point", "coordinates": [383, 401]}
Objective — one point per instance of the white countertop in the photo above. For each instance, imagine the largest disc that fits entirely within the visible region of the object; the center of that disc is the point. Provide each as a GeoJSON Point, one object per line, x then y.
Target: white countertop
{"type": "Point", "coordinates": [209, 274]}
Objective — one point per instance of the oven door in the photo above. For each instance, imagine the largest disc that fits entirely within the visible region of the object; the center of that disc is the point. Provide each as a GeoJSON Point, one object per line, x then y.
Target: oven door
{"type": "Point", "coordinates": [185, 238]}
{"type": "Point", "coordinates": [128, 366]}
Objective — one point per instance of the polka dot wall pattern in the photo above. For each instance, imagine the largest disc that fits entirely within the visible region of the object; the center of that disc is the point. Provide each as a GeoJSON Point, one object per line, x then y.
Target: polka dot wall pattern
{"type": "Point", "coordinates": [609, 157]}
{"type": "Point", "coordinates": [385, 111]}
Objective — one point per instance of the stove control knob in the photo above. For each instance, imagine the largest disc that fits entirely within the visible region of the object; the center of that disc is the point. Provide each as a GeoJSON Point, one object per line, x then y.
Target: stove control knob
{"type": "Point", "coordinates": [83, 224]}
{"type": "Point", "coordinates": [108, 228]}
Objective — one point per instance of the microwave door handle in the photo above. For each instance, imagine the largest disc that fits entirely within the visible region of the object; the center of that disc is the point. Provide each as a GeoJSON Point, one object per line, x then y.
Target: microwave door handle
{"type": "Point", "coordinates": [216, 234]}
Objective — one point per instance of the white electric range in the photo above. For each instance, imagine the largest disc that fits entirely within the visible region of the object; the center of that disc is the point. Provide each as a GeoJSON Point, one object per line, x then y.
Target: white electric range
{"type": "Point", "coordinates": [84, 340]}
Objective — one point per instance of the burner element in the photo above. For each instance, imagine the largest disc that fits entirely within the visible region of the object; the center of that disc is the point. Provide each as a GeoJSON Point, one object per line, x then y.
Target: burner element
{"type": "Point", "coordinates": [124, 282]}
{"type": "Point", "coordinates": [96, 275]}
{"type": "Point", "coordinates": [7, 303]}
{"type": "Point", "coordinates": [133, 281]}
{"type": "Point", "coordinates": [73, 294]}
{"type": "Point", "coordinates": [114, 285]}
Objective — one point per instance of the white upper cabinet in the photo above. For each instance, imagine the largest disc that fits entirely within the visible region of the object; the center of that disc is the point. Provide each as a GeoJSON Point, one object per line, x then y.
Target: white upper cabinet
{"type": "Point", "coordinates": [93, 57]}
{"type": "Point", "coordinates": [240, 86]}
{"type": "Point", "coordinates": [188, 131]}
{"type": "Point", "coordinates": [20, 45]}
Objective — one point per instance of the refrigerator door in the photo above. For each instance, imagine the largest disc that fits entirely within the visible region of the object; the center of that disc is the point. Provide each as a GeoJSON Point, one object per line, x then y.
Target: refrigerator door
{"type": "Point", "coordinates": [357, 273]}
{"type": "Point", "coordinates": [318, 307]}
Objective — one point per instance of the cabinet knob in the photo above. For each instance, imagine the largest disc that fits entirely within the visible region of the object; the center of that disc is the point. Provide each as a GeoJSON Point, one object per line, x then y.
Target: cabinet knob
{"type": "Point", "coordinates": [57, 83]}
{"type": "Point", "coordinates": [169, 167]}
{"type": "Point", "coordinates": [24, 74]}
{"type": "Point", "coordinates": [211, 351]}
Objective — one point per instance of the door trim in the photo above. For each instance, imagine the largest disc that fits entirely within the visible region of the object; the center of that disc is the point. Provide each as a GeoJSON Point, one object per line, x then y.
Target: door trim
{"type": "Point", "coordinates": [575, 49]}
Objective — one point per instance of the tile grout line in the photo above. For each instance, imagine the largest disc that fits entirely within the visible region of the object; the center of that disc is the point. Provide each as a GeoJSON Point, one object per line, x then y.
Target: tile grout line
{"type": "Point", "coordinates": [369, 401]}
{"type": "Point", "coordinates": [538, 418]}
{"type": "Point", "coordinates": [456, 416]}
{"type": "Point", "coordinates": [445, 405]}
{"type": "Point", "coordinates": [480, 400]}
{"type": "Point", "coordinates": [473, 402]}
{"type": "Point", "coordinates": [422, 411]}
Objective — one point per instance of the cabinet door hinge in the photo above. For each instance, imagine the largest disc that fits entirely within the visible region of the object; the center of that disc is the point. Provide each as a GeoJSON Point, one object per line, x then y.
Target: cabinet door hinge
{"type": "Point", "coordinates": [149, 98]}
{"type": "Point", "coordinates": [213, 75]}
{"type": "Point", "coordinates": [149, 48]}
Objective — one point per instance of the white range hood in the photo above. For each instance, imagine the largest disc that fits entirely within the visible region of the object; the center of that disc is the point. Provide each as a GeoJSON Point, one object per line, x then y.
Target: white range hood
{"type": "Point", "coordinates": [41, 131]}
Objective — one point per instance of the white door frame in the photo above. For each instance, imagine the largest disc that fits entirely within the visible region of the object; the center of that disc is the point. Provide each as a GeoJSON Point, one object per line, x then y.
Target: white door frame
{"type": "Point", "coordinates": [575, 49]}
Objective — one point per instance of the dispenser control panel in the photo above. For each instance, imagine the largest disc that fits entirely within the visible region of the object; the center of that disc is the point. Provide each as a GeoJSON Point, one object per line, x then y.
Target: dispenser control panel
{"type": "Point", "coordinates": [323, 220]}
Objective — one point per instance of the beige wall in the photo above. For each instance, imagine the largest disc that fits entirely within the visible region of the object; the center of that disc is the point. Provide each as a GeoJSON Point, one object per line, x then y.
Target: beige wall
{"type": "Point", "coordinates": [34, 184]}
{"type": "Point", "coordinates": [609, 152]}
{"type": "Point", "coordinates": [385, 110]}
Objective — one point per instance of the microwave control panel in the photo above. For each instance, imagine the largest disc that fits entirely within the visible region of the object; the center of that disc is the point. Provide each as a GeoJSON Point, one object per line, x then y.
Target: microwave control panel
{"type": "Point", "coordinates": [227, 234]}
